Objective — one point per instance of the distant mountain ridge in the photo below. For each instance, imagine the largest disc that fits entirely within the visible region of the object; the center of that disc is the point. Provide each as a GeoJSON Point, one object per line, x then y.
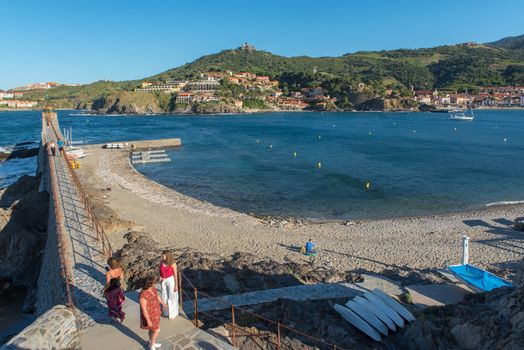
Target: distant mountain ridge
{"type": "Point", "coordinates": [510, 42]}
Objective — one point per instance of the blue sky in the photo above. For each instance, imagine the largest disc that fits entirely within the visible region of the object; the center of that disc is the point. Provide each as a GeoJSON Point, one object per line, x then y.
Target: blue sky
{"type": "Point", "coordinates": [82, 41]}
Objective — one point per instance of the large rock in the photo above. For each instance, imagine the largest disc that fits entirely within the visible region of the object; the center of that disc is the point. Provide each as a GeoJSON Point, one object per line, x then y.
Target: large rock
{"type": "Point", "coordinates": [22, 239]}
{"type": "Point", "coordinates": [127, 102]}
{"type": "Point", "coordinates": [219, 275]}
{"type": "Point", "coordinates": [493, 320]}
{"type": "Point", "coordinates": [466, 335]}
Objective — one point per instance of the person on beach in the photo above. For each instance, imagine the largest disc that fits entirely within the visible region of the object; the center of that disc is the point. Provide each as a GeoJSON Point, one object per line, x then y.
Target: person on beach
{"type": "Point", "coordinates": [150, 311]}
{"type": "Point", "coordinates": [309, 248]}
{"type": "Point", "coordinates": [52, 146]}
{"type": "Point", "coordinates": [168, 284]}
{"type": "Point", "coordinates": [113, 290]}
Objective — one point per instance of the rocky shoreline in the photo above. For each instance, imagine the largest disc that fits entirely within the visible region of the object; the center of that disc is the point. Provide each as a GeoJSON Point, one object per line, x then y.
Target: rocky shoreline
{"type": "Point", "coordinates": [23, 232]}
{"type": "Point", "coordinates": [229, 252]}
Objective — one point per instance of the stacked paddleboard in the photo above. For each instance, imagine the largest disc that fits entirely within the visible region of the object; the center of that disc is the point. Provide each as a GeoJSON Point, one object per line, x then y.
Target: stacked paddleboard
{"type": "Point", "coordinates": [375, 314]}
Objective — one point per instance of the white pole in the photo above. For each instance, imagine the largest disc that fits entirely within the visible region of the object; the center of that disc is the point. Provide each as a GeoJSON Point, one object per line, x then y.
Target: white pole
{"type": "Point", "coordinates": [465, 250]}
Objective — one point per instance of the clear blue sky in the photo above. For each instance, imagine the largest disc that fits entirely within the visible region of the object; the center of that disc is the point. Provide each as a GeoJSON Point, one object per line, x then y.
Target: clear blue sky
{"type": "Point", "coordinates": [80, 41]}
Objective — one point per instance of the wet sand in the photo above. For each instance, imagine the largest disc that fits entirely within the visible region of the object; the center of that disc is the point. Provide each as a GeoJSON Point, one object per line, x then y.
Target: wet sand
{"type": "Point", "coordinates": [410, 246]}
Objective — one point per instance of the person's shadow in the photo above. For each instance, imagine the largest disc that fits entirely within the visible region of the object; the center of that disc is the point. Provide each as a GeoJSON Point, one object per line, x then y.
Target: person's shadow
{"type": "Point", "coordinates": [292, 248]}
{"type": "Point", "coordinates": [88, 299]}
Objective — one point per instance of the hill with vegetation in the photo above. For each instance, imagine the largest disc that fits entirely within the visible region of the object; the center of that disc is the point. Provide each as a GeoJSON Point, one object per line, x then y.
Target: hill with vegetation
{"type": "Point", "coordinates": [350, 78]}
{"type": "Point", "coordinates": [511, 43]}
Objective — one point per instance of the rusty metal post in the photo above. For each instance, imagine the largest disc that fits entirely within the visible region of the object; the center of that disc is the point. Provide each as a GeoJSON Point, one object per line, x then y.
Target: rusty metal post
{"type": "Point", "coordinates": [180, 291]}
{"type": "Point", "coordinates": [195, 304]}
{"type": "Point", "coordinates": [234, 328]}
{"type": "Point", "coordinates": [278, 335]}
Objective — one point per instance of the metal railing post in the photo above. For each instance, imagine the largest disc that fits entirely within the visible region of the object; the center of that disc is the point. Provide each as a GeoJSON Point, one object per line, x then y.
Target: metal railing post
{"type": "Point", "coordinates": [278, 335]}
{"type": "Point", "coordinates": [180, 292]}
{"type": "Point", "coordinates": [195, 312]}
{"type": "Point", "coordinates": [234, 328]}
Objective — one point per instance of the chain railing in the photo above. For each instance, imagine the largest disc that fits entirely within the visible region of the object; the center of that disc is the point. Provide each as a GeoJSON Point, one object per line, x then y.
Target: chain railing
{"type": "Point", "coordinates": [236, 331]}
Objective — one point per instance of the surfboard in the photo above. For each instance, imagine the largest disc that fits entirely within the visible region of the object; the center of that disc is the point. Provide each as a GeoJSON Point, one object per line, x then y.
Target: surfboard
{"type": "Point", "coordinates": [376, 311]}
{"type": "Point", "coordinates": [364, 313]}
{"type": "Point", "coordinates": [384, 307]}
{"type": "Point", "coordinates": [395, 305]}
{"type": "Point", "coordinates": [359, 323]}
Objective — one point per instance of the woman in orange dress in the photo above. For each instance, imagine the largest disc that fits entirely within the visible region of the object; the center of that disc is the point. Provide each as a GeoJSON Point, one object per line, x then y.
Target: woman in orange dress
{"type": "Point", "coordinates": [150, 311]}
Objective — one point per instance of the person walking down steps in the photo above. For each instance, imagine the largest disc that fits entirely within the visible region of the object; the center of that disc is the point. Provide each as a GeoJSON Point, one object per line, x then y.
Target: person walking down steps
{"type": "Point", "coordinates": [168, 284]}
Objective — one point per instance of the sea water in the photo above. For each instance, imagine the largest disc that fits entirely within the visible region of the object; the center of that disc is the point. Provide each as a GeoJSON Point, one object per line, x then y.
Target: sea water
{"type": "Point", "coordinates": [321, 165]}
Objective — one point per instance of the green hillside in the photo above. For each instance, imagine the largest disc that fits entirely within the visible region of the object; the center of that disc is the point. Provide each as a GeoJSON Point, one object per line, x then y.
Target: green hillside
{"type": "Point", "coordinates": [458, 67]}
{"type": "Point", "coordinates": [453, 67]}
{"type": "Point", "coordinates": [511, 43]}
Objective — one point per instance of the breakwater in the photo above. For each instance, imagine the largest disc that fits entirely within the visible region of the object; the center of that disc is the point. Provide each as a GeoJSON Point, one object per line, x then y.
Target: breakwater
{"type": "Point", "coordinates": [56, 322]}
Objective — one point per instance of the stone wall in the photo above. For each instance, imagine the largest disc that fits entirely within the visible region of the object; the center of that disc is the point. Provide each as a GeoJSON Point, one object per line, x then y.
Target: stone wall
{"type": "Point", "coordinates": [55, 329]}
{"type": "Point", "coordinates": [51, 284]}
{"type": "Point", "coordinates": [149, 144]}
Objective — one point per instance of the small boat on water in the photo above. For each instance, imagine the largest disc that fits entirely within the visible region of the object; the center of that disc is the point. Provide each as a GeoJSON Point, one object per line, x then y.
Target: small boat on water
{"type": "Point", "coordinates": [460, 114]}
{"type": "Point", "coordinates": [478, 279]}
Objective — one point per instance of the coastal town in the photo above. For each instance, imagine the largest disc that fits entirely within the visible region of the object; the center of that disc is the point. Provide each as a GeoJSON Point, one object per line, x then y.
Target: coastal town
{"type": "Point", "coordinates": [245, 91]}
{"type": "Point", "coordinates": [248, 91]}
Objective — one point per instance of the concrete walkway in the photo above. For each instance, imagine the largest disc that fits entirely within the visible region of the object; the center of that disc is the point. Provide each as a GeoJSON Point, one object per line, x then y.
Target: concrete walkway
{"type": "Point", "coordinates": [88, 263]}
{"type": "Point", "coordinates": [86, 257]}
{"type": "Point", "coordinates": [298, 293]}
{"type": "Point", "coordinates": [174, 334]}
{"type": "Point", "coordinates": [438, 294]}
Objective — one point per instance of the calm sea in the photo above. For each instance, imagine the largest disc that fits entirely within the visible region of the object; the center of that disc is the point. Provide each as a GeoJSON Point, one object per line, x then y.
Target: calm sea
{"type": "Point", "coordinates": [317, 165]}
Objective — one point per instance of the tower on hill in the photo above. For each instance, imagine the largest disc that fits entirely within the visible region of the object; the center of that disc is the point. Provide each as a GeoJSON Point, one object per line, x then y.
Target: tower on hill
{"type": "Point", "coordinates": [247, 47]}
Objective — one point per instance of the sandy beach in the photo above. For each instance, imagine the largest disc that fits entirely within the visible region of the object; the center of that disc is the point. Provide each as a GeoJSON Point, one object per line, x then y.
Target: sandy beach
{"type": "Point", "coordinates": [407, 247]}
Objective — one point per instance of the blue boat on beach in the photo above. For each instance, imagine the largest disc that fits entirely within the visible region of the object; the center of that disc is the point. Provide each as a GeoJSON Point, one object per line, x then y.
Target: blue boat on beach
{"type": "Point", "coordinates": [478, 279]}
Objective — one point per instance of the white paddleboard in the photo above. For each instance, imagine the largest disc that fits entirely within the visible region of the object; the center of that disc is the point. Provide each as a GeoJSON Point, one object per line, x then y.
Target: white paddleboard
{"type": "Point", "coordinates": [384, 307]}
{"type": "Point", "coordinates": [365, 314]}
{"type": "Point", "coordinates": [395, 305]}
{"type": "Point", "coordinates": [376, 311]}
{"type": "Point", "coordinates": [356, 321]}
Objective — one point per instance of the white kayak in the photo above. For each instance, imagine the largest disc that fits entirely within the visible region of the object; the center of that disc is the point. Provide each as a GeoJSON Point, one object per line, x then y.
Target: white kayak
{"type": "Point", "coordinates": [356, 321]}
{"type": "Point", "coordinates": [395, 305]}
{"type": "Point", "coordinates": [384, 307]}
{"type": "Point", "coordinates": [366, 314]}
{"type": "Point", "coordinates": [375, 309]}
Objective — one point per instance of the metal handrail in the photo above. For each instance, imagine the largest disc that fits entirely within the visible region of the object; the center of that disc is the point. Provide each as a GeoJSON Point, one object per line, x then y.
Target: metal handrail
{"type": "Point", "coordinates": [234, 326]}
{"type": "Point", "coordinates": [101, 235]}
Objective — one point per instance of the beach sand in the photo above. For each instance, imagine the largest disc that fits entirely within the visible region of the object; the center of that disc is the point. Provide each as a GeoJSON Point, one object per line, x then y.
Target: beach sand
{"type": "Point", "coordinates": [409, 247]}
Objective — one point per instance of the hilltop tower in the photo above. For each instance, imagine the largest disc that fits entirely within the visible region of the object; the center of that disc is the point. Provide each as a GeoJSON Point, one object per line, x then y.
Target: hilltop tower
{"type": "Point", "coordinates": [247, 47]}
